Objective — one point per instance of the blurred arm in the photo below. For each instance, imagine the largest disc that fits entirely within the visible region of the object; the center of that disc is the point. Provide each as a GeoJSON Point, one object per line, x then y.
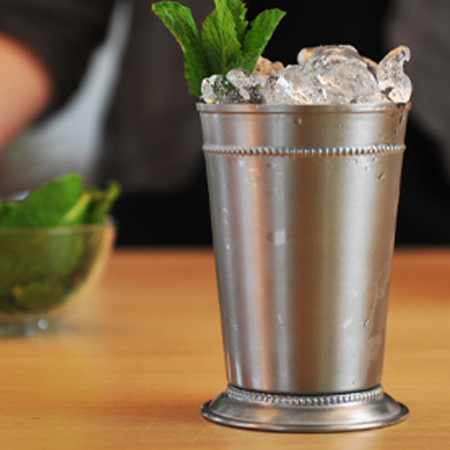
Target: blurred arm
{"type": "Point", "coordinates": [45, 47]}
{"type": "Point", "coordinates": [25, 88]}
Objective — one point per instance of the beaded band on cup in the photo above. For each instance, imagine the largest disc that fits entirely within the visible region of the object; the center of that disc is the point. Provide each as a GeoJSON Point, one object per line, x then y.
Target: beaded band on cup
{"type": "Point", "coordinates": [319, 151]}
{"type": "Point", "coordinates": [264, 398]}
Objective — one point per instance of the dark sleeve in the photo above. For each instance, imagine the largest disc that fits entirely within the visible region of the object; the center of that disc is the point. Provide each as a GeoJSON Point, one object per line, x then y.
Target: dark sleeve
{"type": "Point", "coordinates": [62, 33]}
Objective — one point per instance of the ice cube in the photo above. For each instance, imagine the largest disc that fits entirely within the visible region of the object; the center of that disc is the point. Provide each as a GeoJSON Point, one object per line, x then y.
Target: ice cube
{"type": "Point", "coordinates": [340, 74]}
{"type": "Point", "coordinates": [392, 79]}
{"type": "Point", "coordinates": [333, 74]}
{"type": "Point", "coordinates": [372, 66]}
{"type": "Point", "coordinates": [294, 87]}
{"type": "Point", "coordinates": [232, 97]}
{"type": "Point", "coordinates": [373, 97]}
{"type": "Point", "coordinates": [305, 54]}
{"type": "Point", "coordinates": [247, 85]}
{"type": "Point", "coordinates": [268, 90]}
{"type": "Point", "coordinates": [242, 81]}
{"type": "Point", "coordinates": [213, 89]}
{"type": "Point", "coordinates": [266, 67]}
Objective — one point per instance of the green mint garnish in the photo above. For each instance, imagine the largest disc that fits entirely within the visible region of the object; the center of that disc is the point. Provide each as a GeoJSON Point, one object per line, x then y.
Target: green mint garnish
{"type": "Point", "coordinates": [227, 41]}
{"type": "Point", "coordinates": [220, 40]}
{"type": "Point", "coordinates": [178, 19]}
{"type": "Point", "coordinates": [257, 38]}
{"type": "Point", "coordinates": [61, 202]}
{"type": "Point", "coordinates": [39, 271]}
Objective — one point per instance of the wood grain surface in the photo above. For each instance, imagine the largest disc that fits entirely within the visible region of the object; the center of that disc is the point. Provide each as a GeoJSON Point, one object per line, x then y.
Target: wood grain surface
{"type": "Point", "coordinates": [130, 367]}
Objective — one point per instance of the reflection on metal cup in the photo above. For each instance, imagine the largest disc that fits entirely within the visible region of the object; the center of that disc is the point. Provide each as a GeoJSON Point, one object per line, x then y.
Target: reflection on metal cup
{"type": "Point", "coordinates": [303, 207]}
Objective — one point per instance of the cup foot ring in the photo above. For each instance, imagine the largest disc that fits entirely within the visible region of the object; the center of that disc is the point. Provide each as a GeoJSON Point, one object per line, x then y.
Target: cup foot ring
{"type": "Point", "coordinates": [352, 411]}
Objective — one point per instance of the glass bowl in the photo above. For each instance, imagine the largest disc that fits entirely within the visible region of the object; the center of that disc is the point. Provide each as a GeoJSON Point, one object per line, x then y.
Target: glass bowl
{"type": "Point", "coordinates": [43, 271]}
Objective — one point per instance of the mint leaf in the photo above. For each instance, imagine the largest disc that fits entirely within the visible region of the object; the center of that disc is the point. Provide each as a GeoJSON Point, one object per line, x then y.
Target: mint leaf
{"type": "Point", "coordinates": [39, 271]}
{"type": "Point", "coordinates": [220, 39]}
{"type": "Point", "coordinates": [238, 11]}
{"type": "Point", "coordinates": [37, 296]}
{"type": "Point", "coordinates": [57, 202]}
{"type": "Point", "coordinates": [100, 203]}
{"type": "Point", "coordinates": [61, 202]}
{"type": "Point", "coordinates": [226, 43]}
{"type": "Point", "coordinates": [258, 36]}
{"type": "Point", "coordinates": [178, 19]}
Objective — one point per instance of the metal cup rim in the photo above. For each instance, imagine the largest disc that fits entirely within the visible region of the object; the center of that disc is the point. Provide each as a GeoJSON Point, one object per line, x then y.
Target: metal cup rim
{"type": "Point", "coordinates": [247, 108]}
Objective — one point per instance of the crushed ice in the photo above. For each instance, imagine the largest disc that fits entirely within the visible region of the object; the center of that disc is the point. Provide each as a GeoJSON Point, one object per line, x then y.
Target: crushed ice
{"type": "Point", "coordinates": [323, 75]}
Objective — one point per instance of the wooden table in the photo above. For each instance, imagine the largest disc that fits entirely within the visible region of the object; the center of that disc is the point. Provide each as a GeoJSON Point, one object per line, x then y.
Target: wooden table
{"type": "Point", "coordinates": [130, 368]}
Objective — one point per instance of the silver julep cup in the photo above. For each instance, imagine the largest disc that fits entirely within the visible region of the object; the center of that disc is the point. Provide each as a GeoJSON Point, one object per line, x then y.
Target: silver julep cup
{"type": "Point", "coordinates": [303, 208]}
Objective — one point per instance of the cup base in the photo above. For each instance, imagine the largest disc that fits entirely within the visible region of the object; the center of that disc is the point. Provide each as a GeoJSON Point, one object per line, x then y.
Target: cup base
{"type": "Point", "coordinates": [353, 411]}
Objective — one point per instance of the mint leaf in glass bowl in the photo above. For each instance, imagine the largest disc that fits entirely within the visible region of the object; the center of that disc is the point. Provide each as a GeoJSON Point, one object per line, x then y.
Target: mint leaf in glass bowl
{"type": "Point", "coordinates": [53, 246]}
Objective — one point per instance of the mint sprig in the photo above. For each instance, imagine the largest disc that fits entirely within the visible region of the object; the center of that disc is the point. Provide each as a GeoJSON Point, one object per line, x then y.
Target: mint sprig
{"type": "Point", "coordinates": [40, 270]}
{"type": "Point", "coordinates": [227, 41]}
{"type": "Point", "coordinates": [257, 38]}
{"type": "Point", "coordinates": [220, 40]}
{"type": "Point", "coordinates": [63, 201]}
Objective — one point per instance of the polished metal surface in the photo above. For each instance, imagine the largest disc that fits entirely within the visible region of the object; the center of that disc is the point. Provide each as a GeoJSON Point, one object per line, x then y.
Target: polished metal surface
{"type": "Point", "coordinates": [325, 413]}
{"type": "Point", "coordinates": [306, 126]}
{"type": "Point", "coordinates": [303, 204]}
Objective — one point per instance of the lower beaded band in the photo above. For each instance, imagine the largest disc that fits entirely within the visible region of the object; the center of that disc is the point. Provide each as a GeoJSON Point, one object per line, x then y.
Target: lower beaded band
{"type": "Point", "coordinates": [264, 398]}
{"type": "Point", "coordinates": [361, 410]}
